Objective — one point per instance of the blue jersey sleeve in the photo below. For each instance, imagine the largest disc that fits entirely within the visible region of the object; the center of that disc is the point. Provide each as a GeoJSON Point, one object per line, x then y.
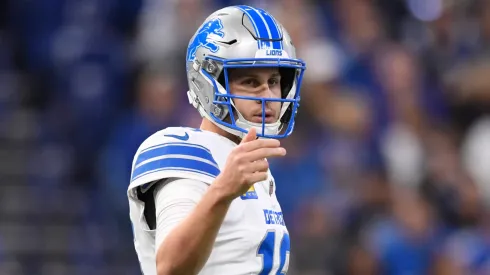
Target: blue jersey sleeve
{"type": "Point", "coordinates": [175, 156]}
{"type": "Point", "coordinates": [176, 152]}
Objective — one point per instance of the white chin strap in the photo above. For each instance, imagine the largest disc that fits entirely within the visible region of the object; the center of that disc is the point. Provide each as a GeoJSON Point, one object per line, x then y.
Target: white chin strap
{"type": "Point", "coordinates": [269, 128]}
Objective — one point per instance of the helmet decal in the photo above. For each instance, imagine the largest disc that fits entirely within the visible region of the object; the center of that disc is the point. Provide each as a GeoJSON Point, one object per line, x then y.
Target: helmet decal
{"type": "Point", "coordinates": [201, 39]}
{"type": "Point", "coordinates": [267, 32]}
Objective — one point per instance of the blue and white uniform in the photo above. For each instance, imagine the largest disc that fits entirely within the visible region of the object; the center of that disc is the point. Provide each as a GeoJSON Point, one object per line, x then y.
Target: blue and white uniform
{"type": "Point", "coordinates": [183, 162]}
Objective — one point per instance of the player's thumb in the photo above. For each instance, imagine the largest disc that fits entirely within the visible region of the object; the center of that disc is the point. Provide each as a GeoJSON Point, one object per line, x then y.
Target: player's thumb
{"type": "Point", "coordinates": [250, 136]}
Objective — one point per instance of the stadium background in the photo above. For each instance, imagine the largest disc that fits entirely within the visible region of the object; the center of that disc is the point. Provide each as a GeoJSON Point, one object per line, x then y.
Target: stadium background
{"type": "Point", "coordinates": [388, 170]}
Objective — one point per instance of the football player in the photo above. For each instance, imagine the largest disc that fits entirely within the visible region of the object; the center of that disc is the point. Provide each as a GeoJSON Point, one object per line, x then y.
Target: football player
{"type": "Point", "coordinates": [202, 201]}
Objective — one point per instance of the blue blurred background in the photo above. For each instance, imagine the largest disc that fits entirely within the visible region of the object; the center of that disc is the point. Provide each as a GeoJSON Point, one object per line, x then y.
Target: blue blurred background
{"type": "Point", "coordinates": [388, 171]}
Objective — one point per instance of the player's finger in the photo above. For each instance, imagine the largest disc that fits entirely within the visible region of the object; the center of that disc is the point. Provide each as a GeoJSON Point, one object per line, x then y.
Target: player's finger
{"type": "Point", "coordinates": [258, 166]}
{"type": "Point", "coordinates": [257, 177]}
{"type": "Point", "coordinates": [251, 135]}
{"type": "Point", "coordinates": [261, 143]}
{"type": "Point", "coordinates": [263, 153]}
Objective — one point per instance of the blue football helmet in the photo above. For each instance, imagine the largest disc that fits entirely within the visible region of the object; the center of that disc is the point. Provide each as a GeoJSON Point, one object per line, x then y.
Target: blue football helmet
{"type": "Point", "coordinates": [242, 37]}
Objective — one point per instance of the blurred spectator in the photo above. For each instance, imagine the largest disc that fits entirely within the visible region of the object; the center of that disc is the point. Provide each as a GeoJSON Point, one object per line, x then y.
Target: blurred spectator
{"type": "Point", "coordinates": [360, 23]}
{"type": "Point", "coordinates": [166, 25]}
{"type": "Point", "coordinates": [401, 139]}
{"type": "Point", "coordinates": [318, 247]}
{"type": "Point", "coordinates": [155, 109]}
{"type": "Point", "coordinates": [476, 155]}
{"type": "Point", "coordinates": [405, 243]}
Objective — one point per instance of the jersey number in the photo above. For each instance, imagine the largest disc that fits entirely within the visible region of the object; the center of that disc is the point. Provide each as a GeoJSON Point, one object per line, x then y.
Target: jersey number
{"type": "Point", "coordinates": [266, 251]}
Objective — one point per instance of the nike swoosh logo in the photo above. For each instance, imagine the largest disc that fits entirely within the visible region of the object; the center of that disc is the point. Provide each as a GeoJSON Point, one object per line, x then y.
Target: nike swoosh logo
{"type": "Point", "coordinates": [183, 138]}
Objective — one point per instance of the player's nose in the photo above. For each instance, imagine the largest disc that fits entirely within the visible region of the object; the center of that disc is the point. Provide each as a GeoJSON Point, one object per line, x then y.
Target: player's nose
{"type": "Point", "coordinates": [266, 91]}
{"type": "Point", "coordinates": [265, 94]}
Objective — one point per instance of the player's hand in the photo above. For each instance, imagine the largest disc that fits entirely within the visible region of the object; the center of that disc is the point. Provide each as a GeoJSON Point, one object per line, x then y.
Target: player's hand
{"type": "Point", "coordinates": [246, 165]}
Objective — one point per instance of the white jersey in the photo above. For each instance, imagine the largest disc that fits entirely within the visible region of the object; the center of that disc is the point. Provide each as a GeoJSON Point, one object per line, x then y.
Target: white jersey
{"type": "Point", "coordinates": [253, 238]}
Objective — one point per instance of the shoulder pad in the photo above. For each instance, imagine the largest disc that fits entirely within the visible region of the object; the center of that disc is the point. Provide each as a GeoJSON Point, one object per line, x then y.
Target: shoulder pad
{"type": "Point", "coordinates": [173, 153]}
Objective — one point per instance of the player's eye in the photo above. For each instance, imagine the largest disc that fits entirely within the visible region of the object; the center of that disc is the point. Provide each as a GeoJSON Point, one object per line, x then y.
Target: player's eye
{"type": "Point", "coordinates": [273, 81]}
{"type": "Point", "coordinates": [250, 82]}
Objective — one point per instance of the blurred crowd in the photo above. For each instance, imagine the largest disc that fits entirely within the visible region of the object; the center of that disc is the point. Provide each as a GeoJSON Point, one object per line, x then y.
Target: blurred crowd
{"type": "Point", "coordinates": [387, 172]}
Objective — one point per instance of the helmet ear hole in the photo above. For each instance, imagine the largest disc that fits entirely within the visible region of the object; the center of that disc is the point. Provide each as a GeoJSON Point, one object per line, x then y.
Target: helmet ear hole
{"type": "Point", "coordinates": [221, 79]}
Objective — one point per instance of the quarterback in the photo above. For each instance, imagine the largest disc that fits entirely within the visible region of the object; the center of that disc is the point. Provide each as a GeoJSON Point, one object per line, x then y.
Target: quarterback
{"type": "Point", "coordinates": [202, 201]}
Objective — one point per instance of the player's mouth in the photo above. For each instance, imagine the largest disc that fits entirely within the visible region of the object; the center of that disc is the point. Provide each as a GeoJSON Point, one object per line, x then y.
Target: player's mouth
{"type": "Point", "coordinates": [269, 117]}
